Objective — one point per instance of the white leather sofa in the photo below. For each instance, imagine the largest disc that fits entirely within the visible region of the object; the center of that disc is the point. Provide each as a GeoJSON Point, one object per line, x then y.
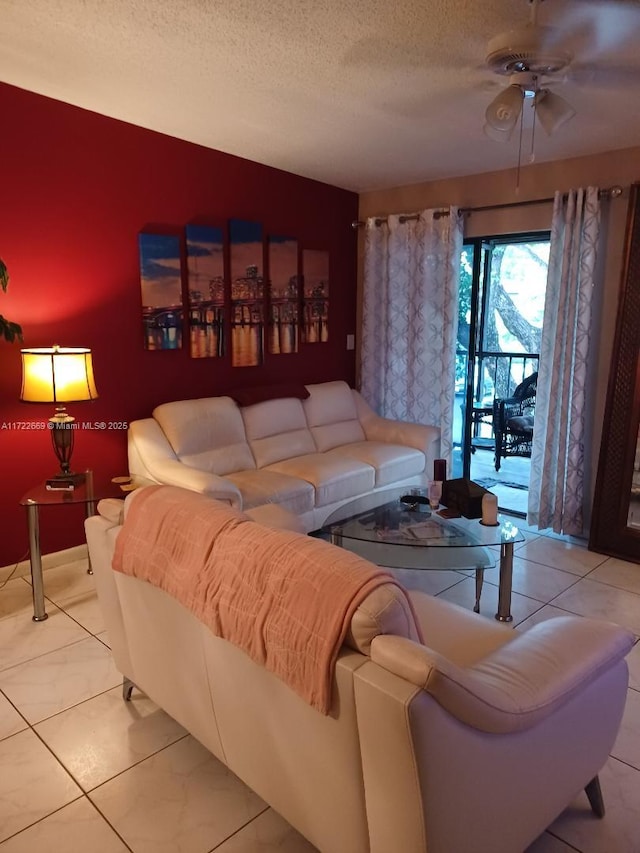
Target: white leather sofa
{"type": "Point", "coordinates": [474, 741]}
{"type": "Point", "coordinates": [307, 455]}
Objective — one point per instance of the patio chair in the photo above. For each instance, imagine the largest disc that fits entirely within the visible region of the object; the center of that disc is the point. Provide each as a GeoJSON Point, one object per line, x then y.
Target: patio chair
{"type": "Point", "coordinates": [513, 421]}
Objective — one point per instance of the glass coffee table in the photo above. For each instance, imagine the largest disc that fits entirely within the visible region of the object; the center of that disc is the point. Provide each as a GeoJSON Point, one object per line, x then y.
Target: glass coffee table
{"type": "Point", "coordinates": [407, 535]}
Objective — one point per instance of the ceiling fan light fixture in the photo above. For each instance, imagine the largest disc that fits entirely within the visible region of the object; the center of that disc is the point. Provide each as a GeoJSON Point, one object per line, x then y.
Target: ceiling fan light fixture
{"type": "Point", "coordinates": [503, 112]}
{"type": "Point", "coordinates": [528, 48]}
{"type": "Point", "coordinates": [552, 111]}
{"type": "Point", "coordinates": [497, 135]}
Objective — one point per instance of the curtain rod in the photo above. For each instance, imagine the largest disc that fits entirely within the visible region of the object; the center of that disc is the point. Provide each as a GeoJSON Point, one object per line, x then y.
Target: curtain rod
{"type": "Point", "coordinates": [610, 192]}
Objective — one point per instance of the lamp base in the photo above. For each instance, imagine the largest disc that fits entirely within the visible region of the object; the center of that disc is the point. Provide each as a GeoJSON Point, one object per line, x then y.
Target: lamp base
{"type": "Point", "coordinates": [71, 477]}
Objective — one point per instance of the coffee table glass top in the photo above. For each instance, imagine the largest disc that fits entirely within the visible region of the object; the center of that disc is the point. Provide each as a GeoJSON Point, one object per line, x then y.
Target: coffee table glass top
{"type": "Point", "coordinates": [385, 530]}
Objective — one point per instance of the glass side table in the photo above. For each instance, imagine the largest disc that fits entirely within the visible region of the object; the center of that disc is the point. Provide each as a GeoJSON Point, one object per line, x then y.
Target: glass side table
{"type": "Point", "coordinates": [93, 489]}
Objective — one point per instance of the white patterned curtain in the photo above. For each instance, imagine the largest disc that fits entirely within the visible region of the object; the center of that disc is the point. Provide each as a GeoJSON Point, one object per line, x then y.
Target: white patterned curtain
{"type": "Point", "coordinates": [556, 487]}
{"type": "Point", "coordinates": [410, 319]}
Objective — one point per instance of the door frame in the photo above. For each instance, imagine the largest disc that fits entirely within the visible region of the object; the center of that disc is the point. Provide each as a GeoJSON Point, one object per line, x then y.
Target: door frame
{"type": "Point", "coordinates": [481, 275]}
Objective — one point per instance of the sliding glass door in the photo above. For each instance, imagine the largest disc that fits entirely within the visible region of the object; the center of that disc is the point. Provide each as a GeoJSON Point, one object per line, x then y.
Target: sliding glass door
{"type": "Point", "coordinates": [501, 306]}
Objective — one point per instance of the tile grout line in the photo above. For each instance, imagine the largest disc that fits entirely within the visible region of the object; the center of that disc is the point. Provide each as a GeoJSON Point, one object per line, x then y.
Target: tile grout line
{"type": "Point", "coordinates": [562, 840]}
{"type": "Point", "coordinates": [90, 791]}
{"type": "Point", "coordinates": [239, 829]}
{"type": "Point", "coordinates": [49, 652]}
{"type": "Point", "coordinates": [609, 585]}
{"type": "Point", "coordinates": [104, 818]}
{"type": "Point", "coordinates": [75, 705]}
{"type": "Point", "coordinates": [17, 710]}
{"type": "Point", "coordinates": [626, 763]}
{"type": "Point", "coordinates": [36, 822]}
{"type": "Point", "coordinates": [86, 794]}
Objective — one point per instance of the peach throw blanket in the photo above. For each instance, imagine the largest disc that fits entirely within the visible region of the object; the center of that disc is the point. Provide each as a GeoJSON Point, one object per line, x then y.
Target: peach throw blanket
{"type": "Point", "coordinates": [284, 598]}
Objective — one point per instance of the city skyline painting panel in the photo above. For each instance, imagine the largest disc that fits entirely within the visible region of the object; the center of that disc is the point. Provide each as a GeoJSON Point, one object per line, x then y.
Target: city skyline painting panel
{"type": "Point", "coordinates": [315, 305]}
{"type": "Point", "coordinates": [205, 270]}
{"type": "Point", "coordinates": [247, 293]}
{"type": "Point", "coordinates": [161, 290]}
{"type": "Point", "coordinates": [284, 293]}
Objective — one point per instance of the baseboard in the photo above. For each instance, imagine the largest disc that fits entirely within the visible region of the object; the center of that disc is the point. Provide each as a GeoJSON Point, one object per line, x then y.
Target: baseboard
{"type": "Point", "coordinates": [49, 561]}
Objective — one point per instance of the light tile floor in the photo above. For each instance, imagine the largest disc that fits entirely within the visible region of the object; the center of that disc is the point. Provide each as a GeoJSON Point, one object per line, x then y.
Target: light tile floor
{"type": "Point", "coordinates": [81, 770]}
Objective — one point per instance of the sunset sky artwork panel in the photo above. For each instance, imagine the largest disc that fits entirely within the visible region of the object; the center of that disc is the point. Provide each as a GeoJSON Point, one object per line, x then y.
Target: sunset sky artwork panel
{"type": "Point", "coordinates": [161, 290]}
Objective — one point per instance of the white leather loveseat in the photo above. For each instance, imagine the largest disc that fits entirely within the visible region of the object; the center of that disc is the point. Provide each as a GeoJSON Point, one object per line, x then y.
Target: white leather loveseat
{"type": "Point", "coordinates": [307, 454]}
{"type": "Point", "coordinates": [474, 741]}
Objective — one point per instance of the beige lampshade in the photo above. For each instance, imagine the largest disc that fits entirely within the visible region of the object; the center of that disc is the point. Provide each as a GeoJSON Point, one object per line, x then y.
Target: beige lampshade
{"type": "Point", "coordinates": [497, 135]}
{"type": "Point", "coordinates": [503, 112]}
{"type": "Point", "coordinates": [552, 111]}
{"type": "Point", "coordinates": [57, 375]}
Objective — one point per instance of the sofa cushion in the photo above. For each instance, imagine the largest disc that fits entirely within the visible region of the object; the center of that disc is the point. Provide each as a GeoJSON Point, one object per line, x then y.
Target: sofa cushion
{"type": "Point", "coordinates": [260, 487]}
{"type": "Point", "coordinates": [392, 462]}
{"type": "Point", "coordinates": [335, 478]}
{"type": "Point", "coordinates": [331, 415]}
{"type": "Point", "coordinates": [276, 516]}
{"type": "Point", "coordinates": [276, 430]}
{"type": "Point", "coordinates": [207, 434]}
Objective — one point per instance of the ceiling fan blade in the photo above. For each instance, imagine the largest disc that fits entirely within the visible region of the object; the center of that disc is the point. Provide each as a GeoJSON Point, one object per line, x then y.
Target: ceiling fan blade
{"type": "Point", "coordinates": [592, 29]}
{"type": "Point", "coordinates": [603, 75]}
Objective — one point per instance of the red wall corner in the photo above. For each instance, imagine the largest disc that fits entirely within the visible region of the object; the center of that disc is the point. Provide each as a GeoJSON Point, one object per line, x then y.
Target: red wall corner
{"type": "Point", "coordinates": [77, 189]}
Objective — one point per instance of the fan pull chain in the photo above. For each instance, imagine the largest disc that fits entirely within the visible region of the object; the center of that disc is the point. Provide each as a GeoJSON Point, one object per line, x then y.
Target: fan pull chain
{"type": "Point", "coordinates": [532, 153]}
{"type": "Point", "coordinates": [520, 151]}
{"type": "Point", "coordinates": [534, 11]}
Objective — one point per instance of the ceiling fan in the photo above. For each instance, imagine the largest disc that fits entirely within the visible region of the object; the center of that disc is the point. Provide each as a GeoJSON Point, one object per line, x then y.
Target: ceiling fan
{"type": "Point", "coordinates": [531, 56]}
{"type": "Point", "coordinates": [589, 45]}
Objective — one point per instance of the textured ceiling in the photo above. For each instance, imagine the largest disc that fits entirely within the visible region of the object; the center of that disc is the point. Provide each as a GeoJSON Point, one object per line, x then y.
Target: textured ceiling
{"type": "Point", "coordinates": [363, 94]}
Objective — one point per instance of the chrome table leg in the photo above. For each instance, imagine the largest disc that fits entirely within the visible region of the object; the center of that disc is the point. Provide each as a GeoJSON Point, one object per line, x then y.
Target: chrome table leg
{"type": "Point", "coordinates": [506, 578]}
{"type": "Point", "coordinates": [35, 558]}
{"type": "Point", "coordinates": [479, 582]}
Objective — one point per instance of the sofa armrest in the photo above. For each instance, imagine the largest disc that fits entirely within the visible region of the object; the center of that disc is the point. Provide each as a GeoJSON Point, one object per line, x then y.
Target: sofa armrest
{"type": "Point", "coordinates": [151, 457]}
{"type": "Point", "coordinates": [472, 639]}
{"type": "Point", "coordinates": [520, 683]}
{"type": "Point", "coordinates": [112, 510]}
{"type": "Point", "coordinates": [422, 437]}
{"type": "Point", "coordinates": [172, 472]}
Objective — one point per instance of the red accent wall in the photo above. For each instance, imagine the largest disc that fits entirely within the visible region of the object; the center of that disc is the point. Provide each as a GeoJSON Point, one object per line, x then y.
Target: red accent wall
{"type": "Point", "coordinates": [76, 188]}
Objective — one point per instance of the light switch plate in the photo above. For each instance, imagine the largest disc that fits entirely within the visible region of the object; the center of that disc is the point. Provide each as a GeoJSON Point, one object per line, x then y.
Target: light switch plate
{"type": "Point", "coordinates": [351, 341]}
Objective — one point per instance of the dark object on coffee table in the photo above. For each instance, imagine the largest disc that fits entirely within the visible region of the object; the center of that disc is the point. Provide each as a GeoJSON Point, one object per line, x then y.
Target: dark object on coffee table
{"type": "Point", "coordinates": [414, 499]}
{"type": "Point", "coordinates": [464, 496]}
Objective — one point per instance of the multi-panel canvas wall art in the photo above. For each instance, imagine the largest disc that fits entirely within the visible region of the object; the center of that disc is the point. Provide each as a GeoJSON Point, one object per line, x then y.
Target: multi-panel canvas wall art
{"type": "Point", "coordinates": [284, 295]}
{"type": "Point", "coordinates": [205, 268]}
{"type": "Point", "coordinates": [247, 293]}
{"type": "Point", "coordinates": [161, 287]}
{"type": "Point", "coordinates": [315, 304]}
{"type": "Point", "coordinates": [233, 320]}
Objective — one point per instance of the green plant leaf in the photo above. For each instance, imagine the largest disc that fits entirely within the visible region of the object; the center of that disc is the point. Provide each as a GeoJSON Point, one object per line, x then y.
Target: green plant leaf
{"type": "Point", "coordinates": [10, 331]}
{"type": "Point", "coordinates": [4, 276]}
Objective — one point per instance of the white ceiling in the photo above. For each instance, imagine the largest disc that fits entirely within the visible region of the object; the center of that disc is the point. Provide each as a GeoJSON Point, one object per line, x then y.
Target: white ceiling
{"type": "Point", "coordinates": [363, 94]}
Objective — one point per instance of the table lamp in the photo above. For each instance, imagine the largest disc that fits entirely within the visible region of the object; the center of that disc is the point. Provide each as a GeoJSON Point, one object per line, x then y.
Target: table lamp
{"type": "Point", "coordinates": [59, 375]}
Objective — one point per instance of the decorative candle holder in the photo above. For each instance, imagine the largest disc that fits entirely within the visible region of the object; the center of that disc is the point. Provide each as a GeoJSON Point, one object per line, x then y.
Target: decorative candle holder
{"type": "Point", "coordinates": [489, 510]}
